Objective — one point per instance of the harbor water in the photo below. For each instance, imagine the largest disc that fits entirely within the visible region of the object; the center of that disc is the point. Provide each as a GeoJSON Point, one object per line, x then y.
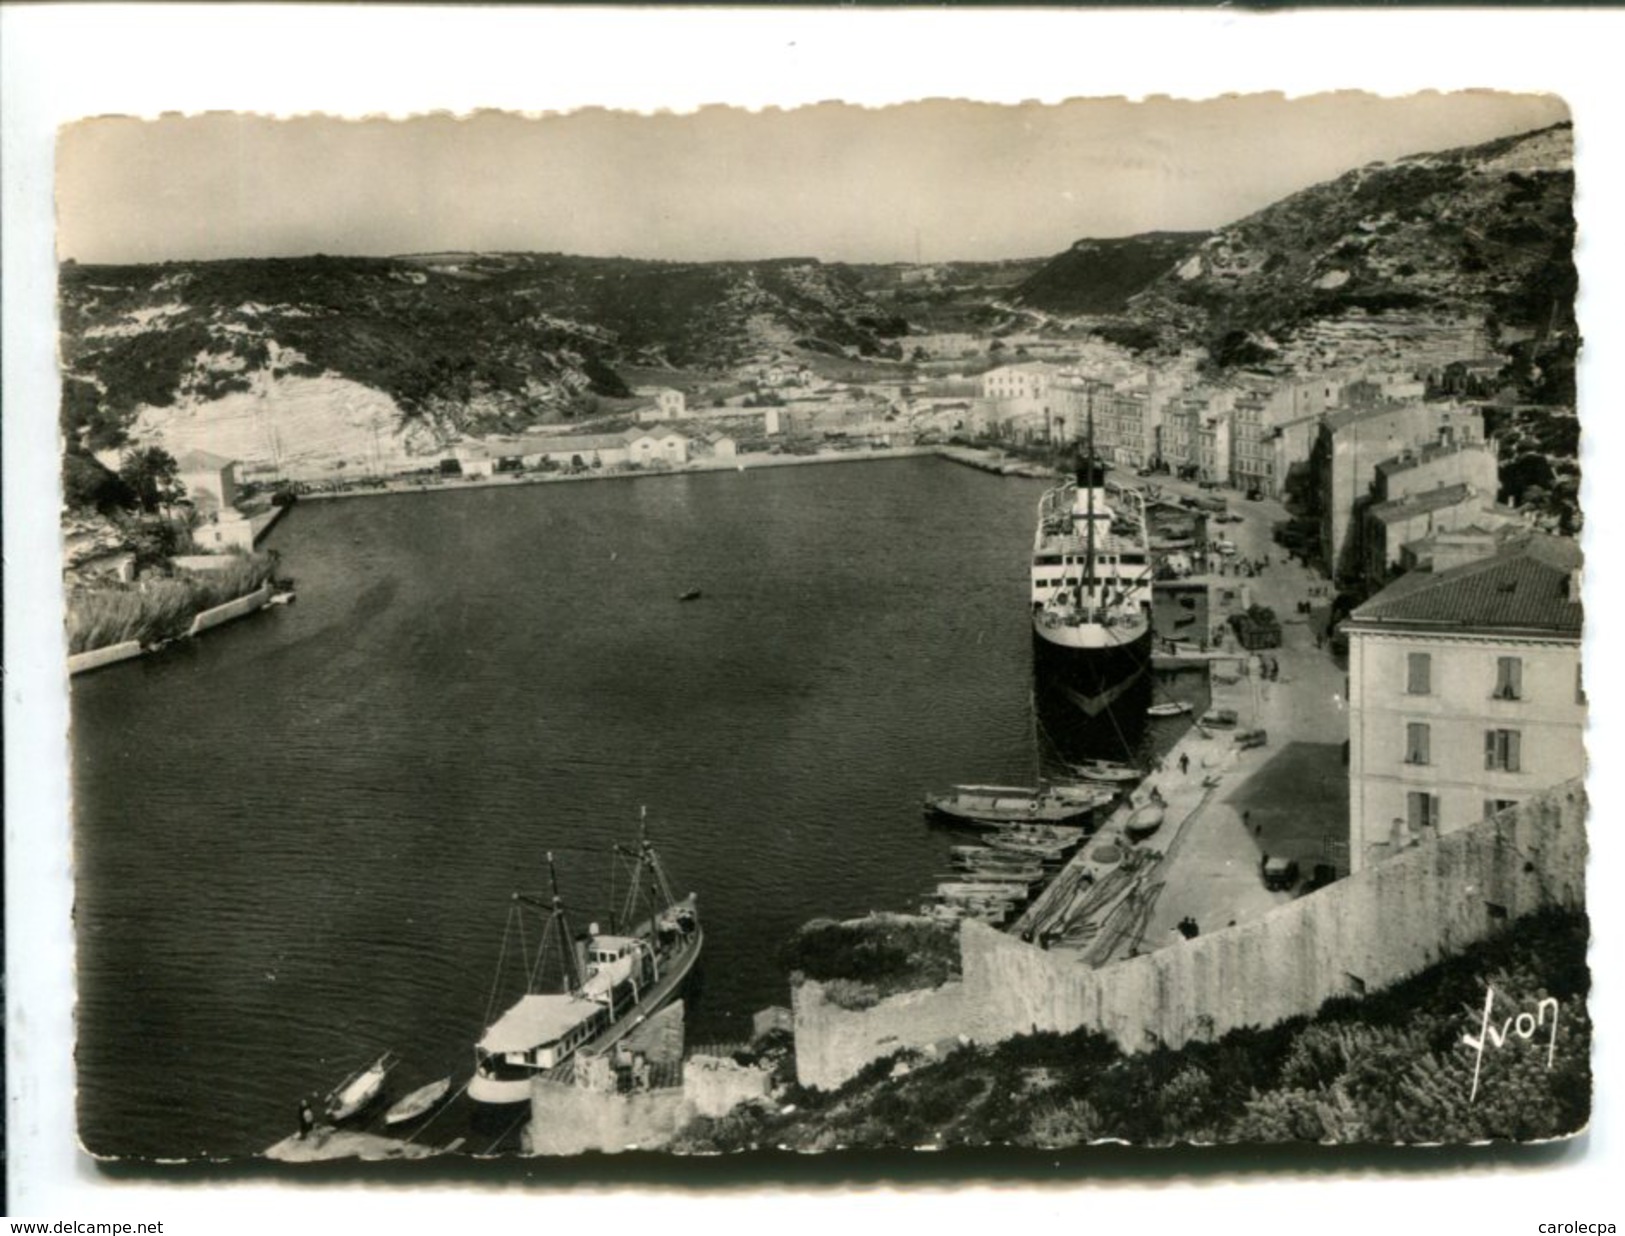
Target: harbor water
{"type": "Point", "coordinates": [297, 837]}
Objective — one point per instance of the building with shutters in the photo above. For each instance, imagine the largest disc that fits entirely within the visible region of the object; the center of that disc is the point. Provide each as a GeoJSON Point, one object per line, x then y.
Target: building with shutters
{"type": "Point", "coordinates": [1465, 695]}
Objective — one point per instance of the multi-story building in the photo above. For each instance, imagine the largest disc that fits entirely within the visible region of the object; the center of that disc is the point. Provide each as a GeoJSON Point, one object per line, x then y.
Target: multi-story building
{"type": "Point", "coordinates": [1121, 425]}
{"type": "Point", "coordinates": [1213, 447]}
{"type": "Point", "coordinates": [1464, 694]}
{"type": "Point", "coordinates": [1311, 395]}
{"type": "Point", "coordinates": [1252, 451]}
{"type": "Point", "coordinates": [1393, 525]}
{"type": "Point", "coordinates": [1343, 463]}
{"type": "Point", "coordinates": [1418, 469]}
{"type": "Point", "coordinates": [1028, 381]}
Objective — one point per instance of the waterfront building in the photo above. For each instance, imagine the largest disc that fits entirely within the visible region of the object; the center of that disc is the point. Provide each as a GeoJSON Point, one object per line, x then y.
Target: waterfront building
{"type": "Point", "coordinates": [1213, 438]}
{"type": "Point", "coordinates": [1252, 450]}
{"type": "Point", "coordinates": [656, 447]}
{"type": "Point", "coordinates": [1121, 424]}
{"type": "Point", "coordinates": [573, 451]}
{"type": "Point", "coordinates": [210, 481]}
{"type": "Point", "coordinates": [1465, 695]}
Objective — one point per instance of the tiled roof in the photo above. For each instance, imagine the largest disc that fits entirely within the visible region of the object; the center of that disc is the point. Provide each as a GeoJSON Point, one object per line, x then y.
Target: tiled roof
{"type": "Point", "coordinates": [1528, 585]}
{"type": "Point", "coordinates": [1420, 504]}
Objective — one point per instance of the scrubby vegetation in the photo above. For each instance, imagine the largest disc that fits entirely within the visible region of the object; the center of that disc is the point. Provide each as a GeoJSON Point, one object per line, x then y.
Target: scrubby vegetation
{"type": "Point", "coordinates": [1391, 1067]}
{"type": "Point", "coordinates": [869, 959]}
{"type": "Point", "coordinates": [157, 609]}
{"type": "Point", "coordinates": [512, 338]}
{"type": "Point", "coordinates": [1099, 276]}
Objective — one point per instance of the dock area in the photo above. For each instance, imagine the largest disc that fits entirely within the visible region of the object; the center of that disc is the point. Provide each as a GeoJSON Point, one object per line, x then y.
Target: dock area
{"type": "Point", "coordinates": [1226, 806]}
{"type": "Point", "coordinates": [327, 1145]}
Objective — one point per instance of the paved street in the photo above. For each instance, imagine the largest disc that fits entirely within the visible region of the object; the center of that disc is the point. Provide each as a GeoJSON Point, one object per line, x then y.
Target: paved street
{"type": "Point", "coordinates": [1287, 798]}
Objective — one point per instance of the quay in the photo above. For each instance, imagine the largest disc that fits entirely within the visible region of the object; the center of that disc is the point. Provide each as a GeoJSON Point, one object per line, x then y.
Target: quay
{"type": "Point", "coordinates": [1226, 807]}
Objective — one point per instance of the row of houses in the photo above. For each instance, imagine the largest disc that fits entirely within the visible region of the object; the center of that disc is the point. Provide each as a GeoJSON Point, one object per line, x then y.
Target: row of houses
{"type": "Point", "coordinates": [640, 447]}
{"type": "Point", "coordinates": [1252, 432]}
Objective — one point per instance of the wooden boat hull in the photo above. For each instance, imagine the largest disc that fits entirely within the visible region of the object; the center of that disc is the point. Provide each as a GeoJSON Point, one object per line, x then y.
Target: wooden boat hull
{"type": "Point", "coordinates": [419, 1103]}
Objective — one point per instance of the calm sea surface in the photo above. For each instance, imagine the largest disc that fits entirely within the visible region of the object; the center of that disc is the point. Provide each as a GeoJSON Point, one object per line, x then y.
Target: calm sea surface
{"type": "Point", "coordinates": [298, 836]}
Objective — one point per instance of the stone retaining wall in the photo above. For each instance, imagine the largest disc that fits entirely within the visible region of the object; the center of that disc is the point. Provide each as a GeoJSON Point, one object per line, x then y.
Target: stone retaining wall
{"type": "Point", "coordinates": [1360, 934]}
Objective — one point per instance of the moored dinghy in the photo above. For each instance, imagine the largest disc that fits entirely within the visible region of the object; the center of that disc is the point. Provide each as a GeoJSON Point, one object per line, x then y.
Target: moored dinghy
{"type": "Point", "coordinates": [357, 1092]}
{"type": "Point", "coordinates": [1170, 708]}
{"type": "Point", "coordinates": [419, 1102]}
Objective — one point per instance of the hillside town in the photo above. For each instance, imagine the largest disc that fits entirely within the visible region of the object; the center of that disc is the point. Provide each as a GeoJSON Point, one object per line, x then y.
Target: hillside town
{"type": "Point", "coordinates": [1298, 655]}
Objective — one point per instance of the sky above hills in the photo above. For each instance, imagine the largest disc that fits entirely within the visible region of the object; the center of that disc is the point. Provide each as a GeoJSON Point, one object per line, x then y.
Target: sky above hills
{"type": "Point", "coordinates": [929, 181]}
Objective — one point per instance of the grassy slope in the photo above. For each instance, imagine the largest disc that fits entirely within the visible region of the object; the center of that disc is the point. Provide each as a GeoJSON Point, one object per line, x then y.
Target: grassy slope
{"type": "Point", "coordinates": [1099, 276]}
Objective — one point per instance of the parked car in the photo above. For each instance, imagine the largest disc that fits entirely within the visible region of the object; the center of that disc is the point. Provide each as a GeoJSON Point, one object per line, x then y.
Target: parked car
{"type": "Point", "coordinates": [1247, 739]}
{"type": "Point", "coordinates": [1221, 718]}
{"type": "Point", "coordinates": [1280, 874]}
{"type": "Point", "coordinates": [1227, 548]}
{"type": "Point", "coordinates": [1207, 484]}
{"type": "Point", "coordinates": [1255, 495]}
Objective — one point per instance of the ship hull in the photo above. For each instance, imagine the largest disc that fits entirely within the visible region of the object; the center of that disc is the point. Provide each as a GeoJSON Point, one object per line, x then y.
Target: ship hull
{"type": "Point", "coordinates": [1091, 678]}
{"type": "Point", "coordinates": [492, 1092]}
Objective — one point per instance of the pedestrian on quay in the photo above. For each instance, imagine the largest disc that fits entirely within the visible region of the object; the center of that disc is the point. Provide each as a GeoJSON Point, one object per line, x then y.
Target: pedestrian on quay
{"type": "Point", "coordinates": [307, 1119]}
{"type": "Point", "coordinates": [1184, 763]}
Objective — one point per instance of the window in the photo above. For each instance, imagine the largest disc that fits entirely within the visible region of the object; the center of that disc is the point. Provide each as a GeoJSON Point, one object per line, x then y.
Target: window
{"type": "Point", "coordinates": [1419, 673]}
{"type": "Point", "coordinates": [1421, 810]}
{"type": "Point", "coordinates": [1501, 750]}
{"type": "Point", "coordinates": [1417, 743]}
{"type": "Point", "coordinates": [1494, 806]}
{"type": "Point", "coordinates": [1509, 678]}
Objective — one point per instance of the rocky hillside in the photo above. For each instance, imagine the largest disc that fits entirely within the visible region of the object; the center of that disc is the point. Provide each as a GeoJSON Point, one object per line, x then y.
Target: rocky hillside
{"type": "Point", "coordinates": [1099, 276]}
{"type": "Point", "coordinates": [439, 342]}
{"type": "Point", "coordinates": [1483, 234]}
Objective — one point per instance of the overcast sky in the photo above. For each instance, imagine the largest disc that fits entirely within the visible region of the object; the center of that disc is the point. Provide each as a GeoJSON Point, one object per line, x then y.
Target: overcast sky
{"type": "Point", "coordinates": [938, 180]}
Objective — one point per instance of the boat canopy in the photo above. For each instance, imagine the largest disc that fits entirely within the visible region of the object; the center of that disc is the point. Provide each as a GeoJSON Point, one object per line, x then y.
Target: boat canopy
{"type": "Point", "coordinates": [534, 1021]}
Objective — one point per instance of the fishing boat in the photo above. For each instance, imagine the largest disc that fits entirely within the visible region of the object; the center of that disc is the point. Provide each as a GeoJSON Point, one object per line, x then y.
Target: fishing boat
{"type": "Point", "coordinates": [1106, 771]}
{"type": "Point", "coordinates": [418, 1103]}
{"type": "Point", "coordinates": [1045, 851]}
{"type": "Point", "coordinates": [1091, 587]}
{"type": "Point", "coordinates": [1171, 708]}
{"type": "Point", "coordinates": [610, 981]}
{"type": "Point", "coordinates": [358, 1091]}
{"type": "Point", "coordinates": [991, 805]}
{"type": "Point", "coordinates": [1145, 821]}
{"type": "Point", "coordinates": [693, 594]}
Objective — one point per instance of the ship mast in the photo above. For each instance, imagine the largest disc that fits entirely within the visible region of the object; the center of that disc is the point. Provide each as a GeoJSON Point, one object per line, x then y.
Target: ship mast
{"type": "Point", "coordinates": [1084, 585]}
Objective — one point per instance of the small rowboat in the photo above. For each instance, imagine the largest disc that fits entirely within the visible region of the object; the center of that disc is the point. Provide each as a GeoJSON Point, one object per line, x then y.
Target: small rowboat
{"type": "Point", "coordinates": [693, 594]}
{"type": "Point", "coordinates": [1173, 708]}
{"type": "Point", "coordinates": [358, 1091]}
{"type": "Point", "coordinates": [1105, 770]}
{"type": "Point", "coordinates": [1145, 821]}
{"type": "Point", "coordinates": [418, 1102]}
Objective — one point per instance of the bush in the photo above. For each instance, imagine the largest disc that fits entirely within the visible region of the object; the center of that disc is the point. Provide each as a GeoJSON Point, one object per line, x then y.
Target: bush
{"type": "Point", "coordinates": [155, 610]}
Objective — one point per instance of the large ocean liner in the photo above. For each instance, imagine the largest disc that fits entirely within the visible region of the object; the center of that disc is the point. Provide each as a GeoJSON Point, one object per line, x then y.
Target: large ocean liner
{"type": "Point", "coordinates": [1091, 588]}
{"type": "Point", "coordinates": [612, 981]}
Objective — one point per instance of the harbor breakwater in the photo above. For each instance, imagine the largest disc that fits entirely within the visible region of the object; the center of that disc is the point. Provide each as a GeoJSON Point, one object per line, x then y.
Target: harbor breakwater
{"type": "Point", "coordinates": [1361, 934]}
